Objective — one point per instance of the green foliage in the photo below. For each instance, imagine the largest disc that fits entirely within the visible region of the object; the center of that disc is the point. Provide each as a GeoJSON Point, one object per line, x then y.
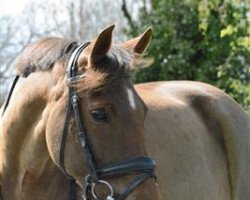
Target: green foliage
{"type": "Point", "coordinates": [202, 40]}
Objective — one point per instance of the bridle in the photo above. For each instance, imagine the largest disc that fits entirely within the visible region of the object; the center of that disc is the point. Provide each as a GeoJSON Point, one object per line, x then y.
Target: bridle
{"type": "Point", "coordinates": [143, 166]}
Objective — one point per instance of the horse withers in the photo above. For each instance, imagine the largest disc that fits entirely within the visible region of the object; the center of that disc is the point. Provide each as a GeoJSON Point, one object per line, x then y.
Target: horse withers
{"type": "Point", "coordinates": [74, 115]}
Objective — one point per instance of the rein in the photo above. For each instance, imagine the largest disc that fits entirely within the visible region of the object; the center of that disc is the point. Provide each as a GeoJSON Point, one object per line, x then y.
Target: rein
{"type": "Point", "coordinates": [144, 166]}
{"type": "Point", "coordinates": [10, 93]}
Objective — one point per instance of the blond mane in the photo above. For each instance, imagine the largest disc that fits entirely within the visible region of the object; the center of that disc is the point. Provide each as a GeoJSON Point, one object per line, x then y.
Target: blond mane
{"type": "Point", "coordinates": [42, 55]}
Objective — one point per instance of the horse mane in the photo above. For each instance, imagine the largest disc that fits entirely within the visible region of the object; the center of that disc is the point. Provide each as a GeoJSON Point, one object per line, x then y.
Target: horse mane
{"type": "Point", "coordinates": [42, 55]}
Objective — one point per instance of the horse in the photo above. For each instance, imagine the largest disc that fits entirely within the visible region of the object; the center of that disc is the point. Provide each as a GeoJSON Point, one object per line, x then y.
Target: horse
{"type": "Point", "coordinates": [76, 127]}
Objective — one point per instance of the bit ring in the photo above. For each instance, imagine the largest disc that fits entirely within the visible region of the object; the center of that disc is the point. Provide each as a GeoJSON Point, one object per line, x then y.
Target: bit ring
{"type": "Point", "coordinates": [104, 183]}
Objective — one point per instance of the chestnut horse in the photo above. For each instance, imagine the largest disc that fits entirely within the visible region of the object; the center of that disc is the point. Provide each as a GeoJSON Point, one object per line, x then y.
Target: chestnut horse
{"type": "Point", "coordinates": [91, 121]}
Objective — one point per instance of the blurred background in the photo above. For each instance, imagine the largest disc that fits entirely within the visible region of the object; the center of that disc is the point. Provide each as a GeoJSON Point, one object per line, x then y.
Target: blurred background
{"type": "Point", "coordinates": [202, 40]}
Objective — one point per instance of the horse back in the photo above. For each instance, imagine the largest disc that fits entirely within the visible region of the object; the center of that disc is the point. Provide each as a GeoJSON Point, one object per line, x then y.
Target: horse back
{"type": "Point", "coordinates": [200, 138]}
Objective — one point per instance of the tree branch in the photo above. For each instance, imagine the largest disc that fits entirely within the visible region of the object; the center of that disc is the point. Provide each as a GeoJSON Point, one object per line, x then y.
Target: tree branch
{"type": "Point", "coordinates": [127, 15]}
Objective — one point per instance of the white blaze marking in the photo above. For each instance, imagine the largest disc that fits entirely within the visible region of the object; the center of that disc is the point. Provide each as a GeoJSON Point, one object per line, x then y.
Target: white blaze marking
{"type": "Point", "coordinates": [131, 98]}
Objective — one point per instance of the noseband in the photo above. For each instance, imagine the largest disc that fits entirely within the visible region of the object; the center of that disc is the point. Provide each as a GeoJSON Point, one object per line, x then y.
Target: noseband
{"type": "Point", "coordinates": [143, 166]}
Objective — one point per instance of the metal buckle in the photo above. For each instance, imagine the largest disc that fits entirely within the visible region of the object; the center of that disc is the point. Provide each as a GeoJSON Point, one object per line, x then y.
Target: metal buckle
{"type": "Point", "coordinates": [109, 197]}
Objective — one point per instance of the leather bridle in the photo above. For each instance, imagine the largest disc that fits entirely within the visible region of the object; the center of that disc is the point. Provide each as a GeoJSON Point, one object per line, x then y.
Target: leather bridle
{"type": "Point", "coordinates": [143, 166]}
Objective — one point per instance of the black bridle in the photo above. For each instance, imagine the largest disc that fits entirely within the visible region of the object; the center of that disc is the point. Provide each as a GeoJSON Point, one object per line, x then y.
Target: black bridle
{"type": "Point", "coordinates": [143, 166]}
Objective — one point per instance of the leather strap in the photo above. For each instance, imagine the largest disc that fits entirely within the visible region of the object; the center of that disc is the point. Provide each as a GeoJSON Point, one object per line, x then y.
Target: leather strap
{"type": "Point", "coordinates": [71, 78]}
{"type": "Point", "coordinates": [1, 195]}
{"type": "Point", "coordinates": [135, 183]}
{"type": "Point", "coordinates": [10, 93]}
{"type": "Point", "coordinates": [73, 188]}
{"type": "Point", "coordinates": [89, 156]}
{"type": "Point", "coordinates": [63, 140]}
{"type": "Point", "coordinates": [139, 164]}
{"type": "Point", "coordinates": [70, 73]}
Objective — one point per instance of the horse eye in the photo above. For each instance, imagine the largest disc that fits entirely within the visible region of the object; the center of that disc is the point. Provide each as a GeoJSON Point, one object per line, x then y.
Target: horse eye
{"type": "Point", "coordinates": [99, 115]}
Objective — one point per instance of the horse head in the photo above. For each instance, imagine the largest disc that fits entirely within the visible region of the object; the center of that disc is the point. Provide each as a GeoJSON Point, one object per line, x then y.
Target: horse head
{"type": "Point", "coordinates": [95, 127]}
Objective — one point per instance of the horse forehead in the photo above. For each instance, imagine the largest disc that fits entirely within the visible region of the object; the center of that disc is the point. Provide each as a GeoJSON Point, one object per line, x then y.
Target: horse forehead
{"type": "Point", "coordinates": [124, 94]}
{"type": "Point", "coordinates": [131, 98]}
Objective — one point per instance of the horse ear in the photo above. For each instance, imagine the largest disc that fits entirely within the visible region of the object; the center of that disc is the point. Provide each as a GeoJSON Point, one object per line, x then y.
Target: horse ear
{"type": "Point", "coordinates": [139, 44]}
{"type": "Point", "coordinates": [101, 44]}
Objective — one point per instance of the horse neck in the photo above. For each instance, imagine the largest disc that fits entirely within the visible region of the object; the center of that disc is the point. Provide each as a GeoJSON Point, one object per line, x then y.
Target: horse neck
{"type": "Point", "coordinates": [26, 168]}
